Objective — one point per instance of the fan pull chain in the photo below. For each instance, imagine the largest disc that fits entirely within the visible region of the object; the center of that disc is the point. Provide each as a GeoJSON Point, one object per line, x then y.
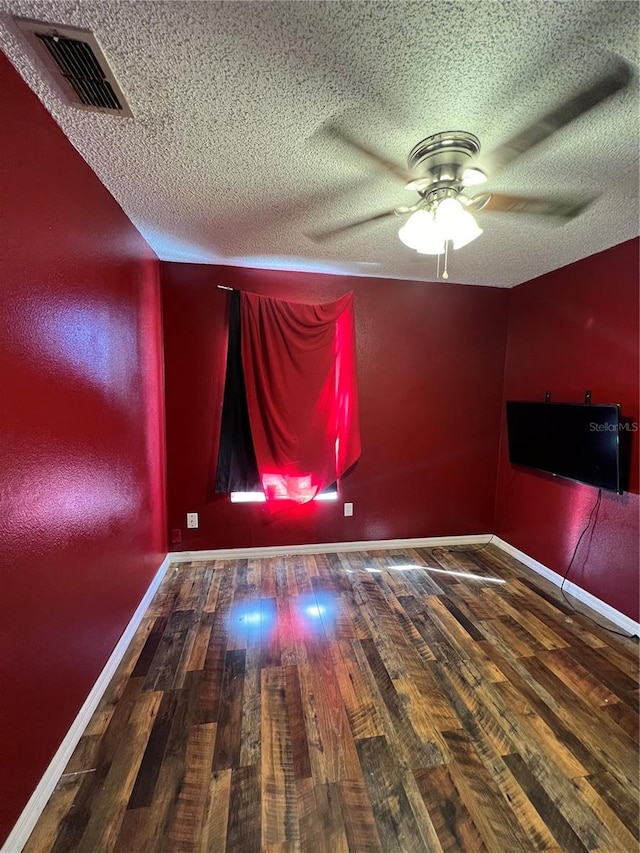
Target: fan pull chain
{"type": "Point", "coordinates": [437, 266]}
{"type": "Point", "coordinates": [445, 274]}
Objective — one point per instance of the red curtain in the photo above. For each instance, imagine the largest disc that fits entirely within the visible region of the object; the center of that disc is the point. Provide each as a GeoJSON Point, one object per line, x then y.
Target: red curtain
{"type": "Point", "coordinates": [300, 375]}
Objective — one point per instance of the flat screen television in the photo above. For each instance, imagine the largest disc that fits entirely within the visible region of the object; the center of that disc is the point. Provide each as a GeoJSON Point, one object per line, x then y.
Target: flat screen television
{"type": "Point", "coordinates": [578, 441]}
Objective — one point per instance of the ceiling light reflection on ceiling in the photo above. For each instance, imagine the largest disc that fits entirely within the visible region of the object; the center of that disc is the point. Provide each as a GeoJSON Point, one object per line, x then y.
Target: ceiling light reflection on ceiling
{"type": "Point", "coordinates": [289, 263]}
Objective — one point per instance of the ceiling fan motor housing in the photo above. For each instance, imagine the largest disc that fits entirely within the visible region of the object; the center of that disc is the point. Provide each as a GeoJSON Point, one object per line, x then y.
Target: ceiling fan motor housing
{"type": "Point", "coordinates": [438, 161]}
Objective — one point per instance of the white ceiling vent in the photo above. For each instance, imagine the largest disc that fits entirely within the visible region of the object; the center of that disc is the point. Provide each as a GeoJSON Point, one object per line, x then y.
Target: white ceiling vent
{"type": "Point", "coordinates": [75, 60]}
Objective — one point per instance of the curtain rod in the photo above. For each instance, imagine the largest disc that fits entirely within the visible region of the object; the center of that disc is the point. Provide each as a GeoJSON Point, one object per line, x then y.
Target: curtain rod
{"type": "Point", "coordinates": [224, 287]}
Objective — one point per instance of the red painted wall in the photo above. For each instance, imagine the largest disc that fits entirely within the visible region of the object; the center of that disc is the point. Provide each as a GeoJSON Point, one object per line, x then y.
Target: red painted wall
{"type": "Point", "coordinates": [430, 362]}
{"type": "Point", "coordinates": [82, 503]}
{"type": "Point", "coordinates": [573, 330]}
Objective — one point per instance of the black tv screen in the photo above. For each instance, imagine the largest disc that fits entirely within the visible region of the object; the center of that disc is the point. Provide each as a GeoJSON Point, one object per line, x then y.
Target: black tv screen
{"type": "Point", "coordinates": [578, 441]}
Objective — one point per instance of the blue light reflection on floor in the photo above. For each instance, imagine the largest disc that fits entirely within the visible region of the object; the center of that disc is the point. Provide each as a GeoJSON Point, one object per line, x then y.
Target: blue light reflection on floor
{"type": "Point", "coordinates": [315, 613]}
{"type": "Point", "coordinates": [252, 621]}
{"type": "Point", "coordinates": [313, 616]}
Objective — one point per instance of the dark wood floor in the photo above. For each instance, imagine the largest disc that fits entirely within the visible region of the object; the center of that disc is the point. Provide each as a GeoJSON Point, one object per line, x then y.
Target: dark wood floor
{"type": "Point", "coordinates": [360, 702]}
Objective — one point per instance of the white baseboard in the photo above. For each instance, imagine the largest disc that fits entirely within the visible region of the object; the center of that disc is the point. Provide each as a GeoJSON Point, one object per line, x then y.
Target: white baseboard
{"type": "Point", "coordinates": [625, 622]}
{"type": "Point", "coordinates": [26, 822]}
{"type": "Point", "coordinates": [327, 548]}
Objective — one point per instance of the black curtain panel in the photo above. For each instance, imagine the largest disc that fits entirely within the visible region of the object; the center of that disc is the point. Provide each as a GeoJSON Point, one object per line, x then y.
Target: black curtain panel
{"type": "Point", "coordinates": [237, 470]}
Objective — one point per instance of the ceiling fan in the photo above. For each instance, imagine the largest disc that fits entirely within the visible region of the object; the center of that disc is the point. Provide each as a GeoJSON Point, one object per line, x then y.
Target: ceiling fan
{"type": "Point", "coordinates": [443, 166]}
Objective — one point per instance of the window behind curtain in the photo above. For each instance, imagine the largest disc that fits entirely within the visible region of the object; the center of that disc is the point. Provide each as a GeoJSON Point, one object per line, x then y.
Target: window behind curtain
{"type": "Point", "coordinates": [290, 415]}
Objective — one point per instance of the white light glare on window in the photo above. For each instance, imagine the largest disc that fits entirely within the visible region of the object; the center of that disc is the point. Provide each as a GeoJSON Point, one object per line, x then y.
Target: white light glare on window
{"type": "Point", "coordinates": [258, 497]}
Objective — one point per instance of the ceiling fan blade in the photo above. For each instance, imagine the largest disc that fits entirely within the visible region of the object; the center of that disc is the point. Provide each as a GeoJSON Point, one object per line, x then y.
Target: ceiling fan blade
{"type": "Point", "coordinates": [399, 172]}
{"type": "Point", "coordinates": [571, 109]}
{"type": "Point", "coordinates": [319, 236]}
{"type": "Point", "coordinates": [564, 208]}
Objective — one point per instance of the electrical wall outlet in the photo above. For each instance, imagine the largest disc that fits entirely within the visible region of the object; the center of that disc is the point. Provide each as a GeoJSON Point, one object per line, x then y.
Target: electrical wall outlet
{"type": "Point", "coordinates": [192, 520]}
{"type": "Point", "coordinates": [348, 509]}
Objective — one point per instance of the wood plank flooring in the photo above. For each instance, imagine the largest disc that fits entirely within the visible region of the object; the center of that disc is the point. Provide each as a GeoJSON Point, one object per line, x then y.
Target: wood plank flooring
{"type": "Point", "coordinates": [414, 700]}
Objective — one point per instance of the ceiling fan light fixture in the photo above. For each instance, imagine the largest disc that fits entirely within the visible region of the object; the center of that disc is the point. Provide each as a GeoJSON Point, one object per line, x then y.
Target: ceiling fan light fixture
{"type": "Point", "coordinates": [427, 231]}
{"type": "Point", "coordinates": [421, 233]}
{"type": "Point", "coordinates": [432, 246]}
{"type": "Point", "coordinates": [455, 223]}
{"type": "Point", "coordinates": [470, 232]}
{"type": "Point", "coordinates": [448, 213]}
{"type": "Point", "coordinates": [472, 176]}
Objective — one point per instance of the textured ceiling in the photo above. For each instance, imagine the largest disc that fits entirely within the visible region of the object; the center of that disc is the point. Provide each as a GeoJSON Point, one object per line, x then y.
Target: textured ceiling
{"type": "Point", "coordinates": [222, 162]}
